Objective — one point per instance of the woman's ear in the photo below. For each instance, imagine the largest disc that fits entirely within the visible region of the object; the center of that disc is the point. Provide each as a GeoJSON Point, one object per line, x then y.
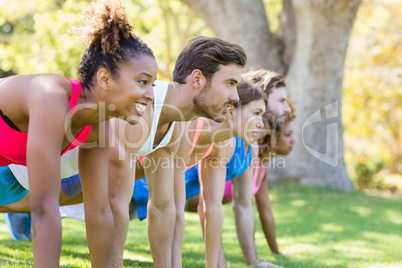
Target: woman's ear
{"type": "Point", "coordinates": [103, 78]}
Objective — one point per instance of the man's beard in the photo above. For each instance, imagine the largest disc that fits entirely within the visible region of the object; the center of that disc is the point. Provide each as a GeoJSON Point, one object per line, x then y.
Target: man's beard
{"type": "Point", "coordinates": [203, 107]}
{"type": "Point", "coordinates": [200, 104]}
{"type": "Point", "coordinates": [273, 119]}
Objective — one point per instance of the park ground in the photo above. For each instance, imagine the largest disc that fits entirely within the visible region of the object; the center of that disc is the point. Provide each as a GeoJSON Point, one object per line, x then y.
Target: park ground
{"type": "Point", "coordinates": [315, 228]}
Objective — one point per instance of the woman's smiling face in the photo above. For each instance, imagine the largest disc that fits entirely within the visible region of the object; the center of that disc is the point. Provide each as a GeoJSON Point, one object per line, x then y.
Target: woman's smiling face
{"type": "Point", "coordinates": [132, 90]}
{"type": "Point", "coordinates": [247, 120]}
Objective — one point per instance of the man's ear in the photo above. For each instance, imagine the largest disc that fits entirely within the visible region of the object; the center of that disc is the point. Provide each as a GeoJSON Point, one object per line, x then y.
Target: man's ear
{"type": "Point", "coordinates": [103, 78]}
{"type": "Point", "coordinates": [197, 79]}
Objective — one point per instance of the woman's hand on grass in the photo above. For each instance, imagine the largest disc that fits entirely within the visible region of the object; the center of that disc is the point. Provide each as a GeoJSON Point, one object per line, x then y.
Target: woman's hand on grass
{"type": "Point", "coordinates": [263, 264]}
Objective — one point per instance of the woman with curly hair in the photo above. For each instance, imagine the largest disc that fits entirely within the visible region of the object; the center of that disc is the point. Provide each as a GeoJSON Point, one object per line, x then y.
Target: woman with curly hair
{"type": "Point", "coordinates": [45, 115]}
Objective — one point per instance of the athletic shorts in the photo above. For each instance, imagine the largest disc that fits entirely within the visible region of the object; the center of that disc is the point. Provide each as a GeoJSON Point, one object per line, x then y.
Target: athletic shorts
{"type": "Point", "coordinates": [10, 189]}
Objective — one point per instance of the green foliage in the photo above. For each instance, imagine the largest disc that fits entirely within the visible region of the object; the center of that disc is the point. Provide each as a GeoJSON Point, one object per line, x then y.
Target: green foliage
{"type": "Point", "coordinates": [34, 39]}
{"type": "Point", "coordinates": [372, 110]}
{"type": "Point", "coordinates": [365, 172]}
{"type": "Point", "coordinates": [315, 227]}
{"type": "Point", "coordinates": [273, 9]}
{"type": "Point", "coordinates": [39, 42]}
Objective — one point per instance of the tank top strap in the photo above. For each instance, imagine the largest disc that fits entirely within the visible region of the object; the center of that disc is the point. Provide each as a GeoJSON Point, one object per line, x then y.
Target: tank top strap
{"type": "Point", "coordinates": [75, 93]}
{"type": "Point", "coordinates": [255, 177]}
{"type": "Point", "coordinates": [198, 129]}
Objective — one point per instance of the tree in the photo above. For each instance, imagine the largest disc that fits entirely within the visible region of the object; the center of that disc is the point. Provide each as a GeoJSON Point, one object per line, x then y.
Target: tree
{"type": "Point", "coordinates": [372, 88]}
{"type": "Point", "coordinates": [310, 48]}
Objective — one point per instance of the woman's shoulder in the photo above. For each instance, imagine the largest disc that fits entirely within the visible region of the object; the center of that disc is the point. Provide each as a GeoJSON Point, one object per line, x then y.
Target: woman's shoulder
{"type": "Point", "coordinates": [49, 87]}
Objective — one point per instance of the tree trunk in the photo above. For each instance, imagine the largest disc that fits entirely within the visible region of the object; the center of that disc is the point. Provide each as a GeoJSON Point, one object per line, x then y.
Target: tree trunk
{"type": "Point", "coordinates": [286, 36]}
{"type": "Point", "coordinates": [243, 22]}
{"type": "Point", "coordinates": [316, 63]}
{"type": "Point", "coordinates": [314, 84]}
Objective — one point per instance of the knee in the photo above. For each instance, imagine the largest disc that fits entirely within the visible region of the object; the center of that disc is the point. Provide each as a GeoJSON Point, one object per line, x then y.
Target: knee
{"type": "Point", "coordinates": [162, 207]}
{"type": "Point", "coordinates": [180, 217]}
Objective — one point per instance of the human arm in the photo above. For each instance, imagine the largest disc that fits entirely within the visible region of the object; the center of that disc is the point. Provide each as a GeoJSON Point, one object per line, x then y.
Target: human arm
{"type": "Point", "coordinates": [211, 132]}
{"type": "Point", "coordinates": [244, 214]}
{"type": "Point", "coordinates": [180, 202]}
{"type": "Point", "coordinates": [181, 162]}
{"type": "Point", "coordinates": [266, 216]}
{"type": "Point", "coordinates": [159, 173]}
{"type": "Point", "coordinates": [121, 174]}
{"type": "Point", "coordinates": [98, 216]}
{"type": "Point", "coordinates": [45, 142]}
{"type": "Point", "coordinates": [244, 218]}
{"type": "Point", "coordinates": [212, 174]}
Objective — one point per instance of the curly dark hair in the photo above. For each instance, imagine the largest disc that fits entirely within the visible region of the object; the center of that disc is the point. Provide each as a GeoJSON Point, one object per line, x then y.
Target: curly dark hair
{"type": "Point", "coordinates": [109, 40]}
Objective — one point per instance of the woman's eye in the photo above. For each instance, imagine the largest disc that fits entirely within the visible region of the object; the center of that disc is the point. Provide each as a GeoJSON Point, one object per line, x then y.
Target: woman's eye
{"type": "Point", "coordinates": [143, 82]}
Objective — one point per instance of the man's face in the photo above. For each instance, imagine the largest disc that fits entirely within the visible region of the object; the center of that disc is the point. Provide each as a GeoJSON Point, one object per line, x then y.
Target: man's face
{"type": "Point", "coordinates": [215, 100]}
{"type": "Point", "coordinates": [277, 107]}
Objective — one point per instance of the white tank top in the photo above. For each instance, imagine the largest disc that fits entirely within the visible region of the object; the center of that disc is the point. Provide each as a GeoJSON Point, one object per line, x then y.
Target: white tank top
{"type": "Point", "coordinates": [160, 91]}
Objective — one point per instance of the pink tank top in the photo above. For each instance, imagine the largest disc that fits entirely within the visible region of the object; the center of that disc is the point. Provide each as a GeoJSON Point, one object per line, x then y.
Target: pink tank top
{"type": "Point", "coordinates": [228, 186]}
{"type": "Point", "coordinates": [13, 143]}
{"type": "Point", "coordinates": [198, 129]}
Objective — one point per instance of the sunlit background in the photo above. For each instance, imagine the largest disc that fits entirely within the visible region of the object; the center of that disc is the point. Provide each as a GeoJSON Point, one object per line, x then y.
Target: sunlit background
{"type": "Point", "coordinates": [34, 39]}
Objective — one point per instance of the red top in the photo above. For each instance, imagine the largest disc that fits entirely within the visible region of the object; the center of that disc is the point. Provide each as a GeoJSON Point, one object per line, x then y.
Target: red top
{"type": "Point", "coordinates": [13, 143]}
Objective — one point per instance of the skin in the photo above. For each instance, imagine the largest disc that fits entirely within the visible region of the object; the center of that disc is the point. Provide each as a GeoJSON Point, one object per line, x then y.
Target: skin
{"type": "Point", "coordinates": [22, 100]}
{"type": "Point", "coordinates": [180, 105]}
{"type": "Point", "coordinates": [277, 106]}
{"type": "Point", "coordinates": [247, 120]}
{"type": "Point", "coordinates": [241, 202]}
{"type": "Point", "coordinates": [126, 141]}
{"type": "Point", "coordinates": [286, 139]}
{"type": "Point", "coordinates": [242, 199]}
{"type": "Point", "coordinates": [242, 196]}
{"type": "Point", "coordinates": [212, 178]}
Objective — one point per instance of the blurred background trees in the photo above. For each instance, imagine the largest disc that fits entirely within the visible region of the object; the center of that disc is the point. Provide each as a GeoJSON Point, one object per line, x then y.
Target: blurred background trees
{"type": "Point", "coordinates": [372, 102]}
{"type": "Point", "coordinates": [34, 39]}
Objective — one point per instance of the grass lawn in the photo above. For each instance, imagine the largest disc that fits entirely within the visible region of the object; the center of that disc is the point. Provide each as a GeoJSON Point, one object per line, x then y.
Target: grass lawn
{"type": "Point", "coordinates": [316, 227]}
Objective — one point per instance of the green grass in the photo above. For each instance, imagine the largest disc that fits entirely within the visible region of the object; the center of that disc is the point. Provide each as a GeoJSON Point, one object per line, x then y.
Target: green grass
{"type": "Point", "coordinates": [315, 227]}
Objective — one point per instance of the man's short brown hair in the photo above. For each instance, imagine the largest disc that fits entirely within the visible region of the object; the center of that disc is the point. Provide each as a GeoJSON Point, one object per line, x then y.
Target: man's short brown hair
{"type": "Point", "coordinates": [206, 54]}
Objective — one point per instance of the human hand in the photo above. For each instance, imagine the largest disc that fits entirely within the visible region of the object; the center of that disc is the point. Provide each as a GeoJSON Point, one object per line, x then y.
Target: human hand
{"type": "Point", "coordinates": [263, 264]}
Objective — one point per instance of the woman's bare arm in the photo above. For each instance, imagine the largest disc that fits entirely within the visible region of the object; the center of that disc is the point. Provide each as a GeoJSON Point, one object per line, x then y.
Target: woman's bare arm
{"type": "Point", "coordinates": [98, 216]}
